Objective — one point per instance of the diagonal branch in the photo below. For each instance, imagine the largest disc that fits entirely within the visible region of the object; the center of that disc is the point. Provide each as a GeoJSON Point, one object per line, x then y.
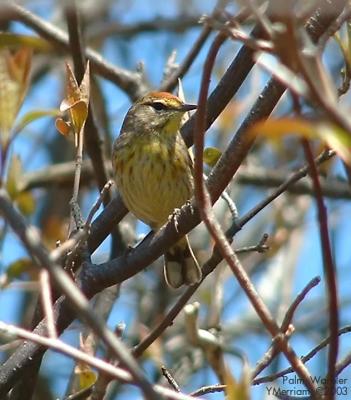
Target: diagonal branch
{"type": "Point", "coordinates": [30, 238]}
{"type": "Point", "coordinates": [204, 204]}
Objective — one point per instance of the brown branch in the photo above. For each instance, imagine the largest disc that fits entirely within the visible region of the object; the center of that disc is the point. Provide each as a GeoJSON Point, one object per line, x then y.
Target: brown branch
{"type": "Point", "coordinates": [329, 271]}
{"type": "Point", "coordinates": [205, 207]}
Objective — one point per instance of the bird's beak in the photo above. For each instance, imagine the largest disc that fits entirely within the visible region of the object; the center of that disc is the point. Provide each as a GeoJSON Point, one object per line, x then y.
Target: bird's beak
{"type": "Point", "coordinates": [188, 107]}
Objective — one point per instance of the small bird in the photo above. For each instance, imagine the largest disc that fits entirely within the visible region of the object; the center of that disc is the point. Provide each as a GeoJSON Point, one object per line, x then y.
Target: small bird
{"type": "Point", "coordinates": [154, 174]}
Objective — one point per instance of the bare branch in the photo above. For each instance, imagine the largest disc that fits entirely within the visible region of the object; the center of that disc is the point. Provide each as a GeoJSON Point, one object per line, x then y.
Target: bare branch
{"type": "Point", "coordinates": [329, 271]}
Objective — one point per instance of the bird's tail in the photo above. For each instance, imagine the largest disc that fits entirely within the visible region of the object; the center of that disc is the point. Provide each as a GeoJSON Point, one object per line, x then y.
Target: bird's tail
{"type": "Point", "coordinates": [181, 266]}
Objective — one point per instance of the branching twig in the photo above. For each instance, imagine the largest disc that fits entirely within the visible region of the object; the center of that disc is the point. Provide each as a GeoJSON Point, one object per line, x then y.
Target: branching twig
{"type": "Point", "coordinates": [304, 359]}
{"type": "Point", "coordinates": [260, 247]}
{"type": "Point", "coordinates": [274, 350]}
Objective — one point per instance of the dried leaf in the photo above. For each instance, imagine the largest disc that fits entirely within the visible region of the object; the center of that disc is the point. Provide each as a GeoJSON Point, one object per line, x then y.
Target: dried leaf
{"type": "Point", "coordinates": [63, 126]}
{"type": "Point", "coordinates": [14, 81]}
{"type": "Point", "coordinates": [77, 99]}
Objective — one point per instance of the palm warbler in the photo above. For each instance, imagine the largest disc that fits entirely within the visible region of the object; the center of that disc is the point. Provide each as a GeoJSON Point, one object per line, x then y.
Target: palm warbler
{"type": "Point", "coordinates": [154, 173]}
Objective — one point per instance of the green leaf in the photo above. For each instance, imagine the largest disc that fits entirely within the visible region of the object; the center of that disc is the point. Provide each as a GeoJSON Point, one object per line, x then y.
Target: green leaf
{"type": "Point", "coordinates": [34, 115]}
{"type": "Point", "coordinates": [211, 156]}
{"type": "Point", "coordinates": [24, 200]}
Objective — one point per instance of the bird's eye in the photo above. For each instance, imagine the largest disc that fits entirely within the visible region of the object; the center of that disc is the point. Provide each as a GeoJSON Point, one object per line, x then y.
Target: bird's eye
{"type": "Point", "coordinates": [158, 106]}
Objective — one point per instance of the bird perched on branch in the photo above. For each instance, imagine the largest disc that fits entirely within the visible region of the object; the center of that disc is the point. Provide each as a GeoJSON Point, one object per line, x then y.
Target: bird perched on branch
{"type": "Point", "coordinates": [154, 173]}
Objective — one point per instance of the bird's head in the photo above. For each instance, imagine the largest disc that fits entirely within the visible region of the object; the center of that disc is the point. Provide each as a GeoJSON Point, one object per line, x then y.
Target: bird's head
{"type": "Point", "coordinates": [157, 111]}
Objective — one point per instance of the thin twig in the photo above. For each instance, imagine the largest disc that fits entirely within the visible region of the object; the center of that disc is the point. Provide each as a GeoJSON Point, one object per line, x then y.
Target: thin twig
{"type": "Point", "coordinates": [61, 347]}
{"type": "Point", "coordinates": [170, 83]}
{"type": "Point", "coordinates": [304, 359]}
{"type": "Point", "coordinates": [46, 298]}
{"type": "Point", "coordinates": [274, 350]}
{"type": "Point", "coordinates": [97, 204]}
{"type": "Point", "coordinates": [170, 378]}
{"type": "Point", "coordinates": [260, 247]}
{"type": "Point", "coordinates": [329, 271]}
{"type": "Point", "coordinates": [208, 389]}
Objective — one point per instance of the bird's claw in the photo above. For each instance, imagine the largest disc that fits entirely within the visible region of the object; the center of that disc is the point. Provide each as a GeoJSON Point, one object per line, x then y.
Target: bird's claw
{"type": "Point", "coordinates": [174, 218]}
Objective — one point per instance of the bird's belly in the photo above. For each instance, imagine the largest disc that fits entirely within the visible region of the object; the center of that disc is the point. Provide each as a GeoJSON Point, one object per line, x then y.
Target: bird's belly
{"type": "Point", "coordinates": [155, 188]}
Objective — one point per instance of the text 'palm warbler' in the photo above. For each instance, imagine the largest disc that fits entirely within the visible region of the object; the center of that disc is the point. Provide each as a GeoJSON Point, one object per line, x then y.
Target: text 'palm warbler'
{"type": "Point", "coordinates": [154, 173]}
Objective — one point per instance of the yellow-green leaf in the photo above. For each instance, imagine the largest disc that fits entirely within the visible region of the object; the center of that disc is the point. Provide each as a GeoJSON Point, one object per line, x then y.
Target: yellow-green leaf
{"type": "Point", "coordinates": [13, 175]}
{"type": "Point", "coordinates": [14, 81]}
{"type": "Point", "coordinates": [331, 135]}
{"type": "Point", "coordinates": [238, 390]}
{"type": "Point", "coordinates": [15, 40]}
{"type": "Point", "coordinates": [211, 156]}
{"type": "Point", "coordinates": [337, 139]}
{"type": "Point", "coordinates": [15, 270]}
{"type": "Point", "coordinates": [273, 128]}
{"type": "Point", "coordinates": [32, 116]}
{"type": "Point", "coordinates": [86, 376]}
{"type": "Point", "coordinates": [24, 200]}
{"type": "Point", "coordinates": [26, 203]}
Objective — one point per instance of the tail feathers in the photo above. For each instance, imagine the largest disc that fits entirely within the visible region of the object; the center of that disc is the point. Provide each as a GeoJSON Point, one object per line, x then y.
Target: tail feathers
{"type": "Point", "coordinates": [181, 267]}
